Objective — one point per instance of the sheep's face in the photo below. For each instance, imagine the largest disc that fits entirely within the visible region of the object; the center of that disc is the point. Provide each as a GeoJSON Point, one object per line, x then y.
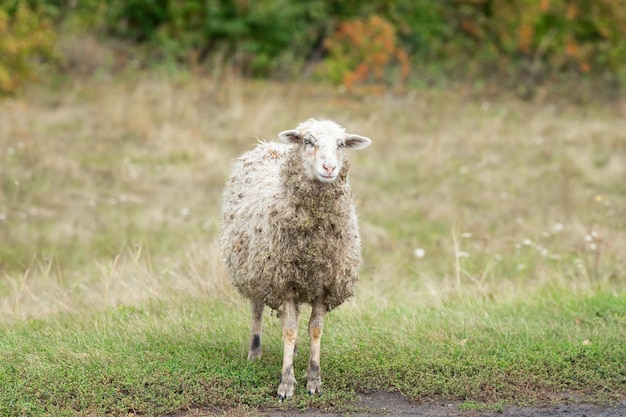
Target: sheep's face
{"type": "Point", "coordinates": [321, 144]}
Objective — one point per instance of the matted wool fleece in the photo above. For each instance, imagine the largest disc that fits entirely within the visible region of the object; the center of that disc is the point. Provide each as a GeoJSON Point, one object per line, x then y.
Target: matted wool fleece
{"type": "Point", "coordinates": [285, 236]}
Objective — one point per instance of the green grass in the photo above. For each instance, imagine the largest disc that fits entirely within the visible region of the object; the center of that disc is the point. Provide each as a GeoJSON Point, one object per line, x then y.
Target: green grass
{"type": "Point", "coordinates": [113, 299]}
{"type": "Point", "coordinates": [158, 357]}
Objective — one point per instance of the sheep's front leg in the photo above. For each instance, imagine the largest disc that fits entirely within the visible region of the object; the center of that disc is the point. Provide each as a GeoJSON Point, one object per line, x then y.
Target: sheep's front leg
{"type": "Point", "coordinates": [256, 330]}
{"type": "Point", "coordinates": [316, 325]}
{"type": "Point", "coordinates": [289, 320]}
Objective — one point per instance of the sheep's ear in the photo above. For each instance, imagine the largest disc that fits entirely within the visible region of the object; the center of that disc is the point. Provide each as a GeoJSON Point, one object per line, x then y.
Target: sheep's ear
{"type": "Point", "coordinates": [290, 136]}
{"type": "Point", "coordinates": [357, 142]}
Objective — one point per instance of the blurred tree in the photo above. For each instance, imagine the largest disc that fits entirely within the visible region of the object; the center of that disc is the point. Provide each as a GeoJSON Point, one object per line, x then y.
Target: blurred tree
{"type": "Point", "coordinates": [26, 38]}
{"type": "Point", "coordinates": [361, 50]}
{"type": "Point", "coordinates": [522, 39]}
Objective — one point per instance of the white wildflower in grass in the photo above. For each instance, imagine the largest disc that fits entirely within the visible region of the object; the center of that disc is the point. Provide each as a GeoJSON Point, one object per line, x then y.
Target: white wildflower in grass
{"type": "Point", "coordinates": [527, 242]}
{"type": "Point", "coordinates": [419, 253]}
{"type": "Point", "coordinates": [579, 263]}
{"type": "Point", "coordinates": [544, 252]}
{"type": "Point", "coordinates": [3, 217]}
{"type": "Point", "coordinates": [133, 173]}
{"type": "Point", "coordinates": [593, 240]}
{"type": "Point", "coordinates": [461, 254]}
{"type": "Point", "coordinates": [185, 211]}
{"type": "Point", "coordinates": [497, 257]}
{"type": "Point", "coordinates": [557, 227]}
{"type": "Point", "coordinates": [132, 170]}
{"type": "Point", "coordinates": [586, 342]}
{"type": "Point", "coordinates": [520, 266]}
{"type": "Point", "coordinates": [466, 235]}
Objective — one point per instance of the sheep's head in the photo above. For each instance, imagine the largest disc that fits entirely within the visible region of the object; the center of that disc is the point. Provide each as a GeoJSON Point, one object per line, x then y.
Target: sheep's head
{"type": "Point", "coordinates": [321, 144]}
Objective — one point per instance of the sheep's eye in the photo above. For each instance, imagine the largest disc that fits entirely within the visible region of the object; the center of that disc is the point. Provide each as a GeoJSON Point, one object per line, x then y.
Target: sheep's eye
{"type": "Point", "coordinates": [308, 141]}
{"type": "Point", "coordinates": [341, 144]}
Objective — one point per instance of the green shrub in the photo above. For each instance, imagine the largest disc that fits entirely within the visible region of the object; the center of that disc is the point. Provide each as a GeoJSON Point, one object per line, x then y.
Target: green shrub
{"type": "Point", "coordinates": [26, 38]}
{"type": "Point", "coordinates": [540, 36]}
{"type": "Point", "coordinates": [254, 35]}
{"type": "Point", "coordinates": [528, 40]}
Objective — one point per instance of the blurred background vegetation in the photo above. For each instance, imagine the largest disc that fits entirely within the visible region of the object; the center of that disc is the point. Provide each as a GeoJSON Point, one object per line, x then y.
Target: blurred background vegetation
{"type": "Point", "coordinates": [518, 44]}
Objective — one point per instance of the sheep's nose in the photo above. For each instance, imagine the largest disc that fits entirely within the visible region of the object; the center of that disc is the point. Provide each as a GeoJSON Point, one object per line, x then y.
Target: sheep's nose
{"type": "Point", "coordinates": [328, 168]}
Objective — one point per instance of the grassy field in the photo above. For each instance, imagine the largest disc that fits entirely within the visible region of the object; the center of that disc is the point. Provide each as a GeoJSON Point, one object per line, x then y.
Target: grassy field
{"type": "Point", "coordinates": [494, 243]}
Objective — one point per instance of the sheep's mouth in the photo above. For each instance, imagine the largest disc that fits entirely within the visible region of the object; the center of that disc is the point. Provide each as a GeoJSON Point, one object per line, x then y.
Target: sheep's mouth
{"type": "Point", "coordinates": [326, 177]}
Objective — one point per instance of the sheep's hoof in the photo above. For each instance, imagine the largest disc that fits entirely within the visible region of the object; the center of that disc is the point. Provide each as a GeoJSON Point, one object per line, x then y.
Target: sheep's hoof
{"type": "Point", "coordinates": [314, 386]}
{"type": "Point", "coordinates": [254, 355]}
{"type": "Point", "coordinates": [286, 389]}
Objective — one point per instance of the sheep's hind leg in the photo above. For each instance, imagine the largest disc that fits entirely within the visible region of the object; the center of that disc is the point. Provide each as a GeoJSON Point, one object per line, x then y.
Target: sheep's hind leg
{"type": "Point", "coordinates": [289, 320]}
{"type": "Point", "coordinates": [256, 330]}
{"type": "Point", "coordinates": [316, 325]}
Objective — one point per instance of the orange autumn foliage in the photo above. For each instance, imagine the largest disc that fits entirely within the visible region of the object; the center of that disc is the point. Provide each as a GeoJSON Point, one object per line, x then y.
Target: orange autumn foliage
{"type": "Point", "coordinates": [363, 50]}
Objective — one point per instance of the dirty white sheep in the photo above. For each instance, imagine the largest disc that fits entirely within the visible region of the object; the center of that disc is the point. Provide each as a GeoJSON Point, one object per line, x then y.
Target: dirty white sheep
{"type": "Point", "coordinates": [290, 234]}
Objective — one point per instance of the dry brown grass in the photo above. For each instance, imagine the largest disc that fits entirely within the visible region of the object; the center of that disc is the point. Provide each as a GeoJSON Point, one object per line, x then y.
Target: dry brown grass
{"type": "Point", "coordinates": [109, 190]}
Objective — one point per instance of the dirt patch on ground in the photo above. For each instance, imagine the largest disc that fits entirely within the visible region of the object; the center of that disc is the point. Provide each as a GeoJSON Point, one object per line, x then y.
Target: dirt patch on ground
{"type": "Point", "coordinates": [394, 404]}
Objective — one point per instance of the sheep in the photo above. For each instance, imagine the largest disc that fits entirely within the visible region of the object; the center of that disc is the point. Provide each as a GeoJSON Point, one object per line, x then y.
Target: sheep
{"type": "Point", "coordinates": [290, 235]}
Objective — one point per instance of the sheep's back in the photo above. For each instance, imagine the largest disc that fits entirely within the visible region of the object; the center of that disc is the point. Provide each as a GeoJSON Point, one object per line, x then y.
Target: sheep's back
{"type": "Point", "coordinates": [251, 192]}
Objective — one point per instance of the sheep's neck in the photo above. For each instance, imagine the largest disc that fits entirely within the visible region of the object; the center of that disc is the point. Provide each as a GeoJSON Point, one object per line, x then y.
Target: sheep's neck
{"type": "Point", "coordinates": [315, 202]}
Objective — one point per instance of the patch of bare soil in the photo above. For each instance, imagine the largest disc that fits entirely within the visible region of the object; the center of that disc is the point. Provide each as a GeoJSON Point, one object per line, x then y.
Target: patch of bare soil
{"type": "Point", "coordinates": [394, 404]}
